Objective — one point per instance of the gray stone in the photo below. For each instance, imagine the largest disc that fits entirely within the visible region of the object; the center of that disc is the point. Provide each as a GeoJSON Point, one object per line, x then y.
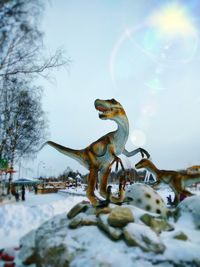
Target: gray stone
{"type": "Point", "coordinates": [113, 232]}
{"type": "Point", "coordinates": [158, 224]}
{"type": "Point", "coordinates": [83, 219]}
{"type": "Point", "coordinates": [180, 236]}
{"type": "Point", "coordinates": [80, 207]}
{"type": "Point", "coordinates": [50, 238]}
{"type": "Point", "coordinates": [120, 217]}
{"type": "Point", "coordinates": [27, 252]}
{"type": "Point", "coordinates": [143, 237]}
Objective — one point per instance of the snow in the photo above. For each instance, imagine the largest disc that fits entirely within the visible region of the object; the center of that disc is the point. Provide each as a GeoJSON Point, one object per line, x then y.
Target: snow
{"type": "Point", "coordinates": [19, 218]}
{"type": "Point", "coordinates": [78, 191]}
{"type": "Point", "coordinates": [141, 230]}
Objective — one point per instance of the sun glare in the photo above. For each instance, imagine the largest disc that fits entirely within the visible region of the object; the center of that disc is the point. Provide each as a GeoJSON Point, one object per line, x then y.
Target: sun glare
{"type": "Point", "coordinates": [173, 20]}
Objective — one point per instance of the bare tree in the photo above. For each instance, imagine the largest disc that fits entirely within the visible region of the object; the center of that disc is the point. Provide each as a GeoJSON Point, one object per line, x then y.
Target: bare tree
{"type": "Point", "coordinates": [23, 123]}
{"type": "Point", "coordinates": [21, 42]}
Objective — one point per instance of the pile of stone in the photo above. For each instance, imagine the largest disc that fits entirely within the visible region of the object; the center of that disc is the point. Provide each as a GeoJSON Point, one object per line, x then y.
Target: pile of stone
{"type": "Point", "coordinates": [58, 241]}
{"type": "Point", "coordinates": [119, 222]}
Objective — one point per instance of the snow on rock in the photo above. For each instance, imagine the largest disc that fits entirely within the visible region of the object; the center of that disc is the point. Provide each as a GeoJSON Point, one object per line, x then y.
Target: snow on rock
{"type": "Point", "coordinates": [29, 247]}
{"type": "Point", "coordinates": [59, 244]}
{"type": "Point", "coordinates": [114, 233]}
{"type": "Point", "coordinates": [54, 243]}
{"type": "Point", "coordinates": [190, 207]}
{"type": "Point", "coordinates": [157, 224]}
{"type": "Point", "coordinates": [120, 216]}
{"type": "Point", "coordinates": [142, 236]}
{"type": "Point", "coordinates": [83, 219]}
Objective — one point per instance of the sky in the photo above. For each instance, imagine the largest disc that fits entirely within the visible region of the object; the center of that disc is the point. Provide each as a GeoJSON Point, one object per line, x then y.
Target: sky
{"type": "Point", "coordinates": [143, 53]}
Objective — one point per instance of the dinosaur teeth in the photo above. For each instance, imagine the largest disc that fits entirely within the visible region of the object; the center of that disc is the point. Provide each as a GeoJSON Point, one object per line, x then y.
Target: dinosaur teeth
{"type": "Point", "coordinates": [104, 112]}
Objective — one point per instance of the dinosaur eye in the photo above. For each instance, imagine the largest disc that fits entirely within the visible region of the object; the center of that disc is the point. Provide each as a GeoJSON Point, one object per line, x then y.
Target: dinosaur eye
{"type": "Point", "coordinates": [113, 101]}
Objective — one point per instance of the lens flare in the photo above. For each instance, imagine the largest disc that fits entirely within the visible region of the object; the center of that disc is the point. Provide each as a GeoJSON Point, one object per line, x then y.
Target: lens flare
{"type": "Point", "coordinates": [173, 20]}
{"type": "Point", "coordinates": [138, 138]}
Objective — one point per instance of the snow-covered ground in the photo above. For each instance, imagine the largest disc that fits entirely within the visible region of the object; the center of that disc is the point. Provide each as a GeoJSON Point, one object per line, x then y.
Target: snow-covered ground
{"type": "Point", "coordinates": [19, 218]}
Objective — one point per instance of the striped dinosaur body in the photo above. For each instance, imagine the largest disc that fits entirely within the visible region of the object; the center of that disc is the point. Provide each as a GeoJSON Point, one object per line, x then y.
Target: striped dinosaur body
{"type": "Point", "coordinates": [99, 156]}
{"type": "Point", "coordinates": [176, 180]}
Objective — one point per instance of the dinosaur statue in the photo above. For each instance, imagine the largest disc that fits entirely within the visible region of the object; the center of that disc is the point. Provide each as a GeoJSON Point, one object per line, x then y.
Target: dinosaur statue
{"type": "Point", "coordinates": [99, 156]}
{"type": "Point", "coordinates": [176, 180]}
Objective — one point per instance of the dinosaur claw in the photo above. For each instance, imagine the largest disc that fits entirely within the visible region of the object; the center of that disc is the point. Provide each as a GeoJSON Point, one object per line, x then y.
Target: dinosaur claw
{"type": "Point", "coordinates": [144, 152]}
{"type": "Point", "coordinates": [102, 204]}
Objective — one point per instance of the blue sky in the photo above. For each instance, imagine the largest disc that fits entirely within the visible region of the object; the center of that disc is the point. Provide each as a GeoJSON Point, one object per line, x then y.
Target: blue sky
{"type": "Point", "coordinates": [143, 53]}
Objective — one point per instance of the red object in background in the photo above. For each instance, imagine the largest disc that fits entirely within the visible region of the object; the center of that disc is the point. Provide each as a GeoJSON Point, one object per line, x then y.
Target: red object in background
{"type": "Point", "coordinates": [6, 257]}
{"type": "Point", "coordinates": [9, 264]}
{"type": "Point", "coordinates": [10, 170]}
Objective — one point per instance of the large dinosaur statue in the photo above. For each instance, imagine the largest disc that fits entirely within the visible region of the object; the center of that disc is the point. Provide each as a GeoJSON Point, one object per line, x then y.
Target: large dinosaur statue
{"type": "Point", "coordinates": [99, 156]}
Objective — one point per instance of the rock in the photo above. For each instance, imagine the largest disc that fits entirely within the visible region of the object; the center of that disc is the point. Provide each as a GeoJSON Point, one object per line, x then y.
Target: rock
{"type": "Point", "coordinates": [51, 243]}
{"type": "Point", "coordinates": [143, 237]}
{"type": "Point", "coordinates": [189, 206]}
{"type": "Point", "coordinates": [27, 251]}
{"type": "Point", "coordinates": [158, 224]}
{"type": "Point", "coordinates": [83, 219]}
{"type": "Point", "coordinates": [80, 207]}
{"type": "Point", "coordinates": [47, 245]}
{"type": "Point", "coordinates": [180, 236]}
{"type": "Point", "coordinates": [120, 217]}
{"type": "Point", "coordinates": [91, 210]}
{"type": "Point", "coordinates": [146, 198]}
{"type": "Point", "coordinates": [113, 232]}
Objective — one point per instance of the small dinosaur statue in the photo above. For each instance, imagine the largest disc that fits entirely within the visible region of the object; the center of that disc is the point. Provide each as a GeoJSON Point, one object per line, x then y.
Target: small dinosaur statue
{"type": "Point", "coordinates": [176, 180]}
{"type": "Point", "coordinates": [99, 156]}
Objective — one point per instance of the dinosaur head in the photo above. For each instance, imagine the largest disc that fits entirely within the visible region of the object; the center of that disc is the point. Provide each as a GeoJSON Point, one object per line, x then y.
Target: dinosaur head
{"type": "Point", "coordinates": [109, 109]}
{"type": "Point", "coordinates": [143, 163]}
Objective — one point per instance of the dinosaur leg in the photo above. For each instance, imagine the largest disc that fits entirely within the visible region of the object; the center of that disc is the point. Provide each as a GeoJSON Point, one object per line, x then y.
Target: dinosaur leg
{"type": "Point", "coordinates": [104, 174]}
{"type": "Point", "coordinates": [180, 194]}
{"type": "Point", "coordinates": [92, 179]}
{"type": "Point", "coordinates": [121, 195]}
{"type": "Point", "coordinates": [187, 193]}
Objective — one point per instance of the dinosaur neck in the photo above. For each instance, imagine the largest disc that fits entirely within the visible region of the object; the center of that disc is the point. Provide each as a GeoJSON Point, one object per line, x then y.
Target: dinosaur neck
{"type": "Point", "coordinates": [152, 168]}
{"type": "Point", "coordinates": [122, 132]}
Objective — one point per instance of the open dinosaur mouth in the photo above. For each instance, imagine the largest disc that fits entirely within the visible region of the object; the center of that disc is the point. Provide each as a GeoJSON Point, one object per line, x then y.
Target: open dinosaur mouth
{"type": "Point", "coordinates": [103, 111]}
{"type": "Point", "coordinates": [137, 166]}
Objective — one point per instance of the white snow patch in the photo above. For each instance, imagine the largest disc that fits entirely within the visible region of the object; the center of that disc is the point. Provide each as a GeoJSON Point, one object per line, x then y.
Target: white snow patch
{"type": "Point", "coordinates": [18, 219]}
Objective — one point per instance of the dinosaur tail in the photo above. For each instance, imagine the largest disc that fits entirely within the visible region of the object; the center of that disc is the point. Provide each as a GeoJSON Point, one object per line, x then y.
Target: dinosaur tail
{"type": "Point", "coordinates": [72, 153]}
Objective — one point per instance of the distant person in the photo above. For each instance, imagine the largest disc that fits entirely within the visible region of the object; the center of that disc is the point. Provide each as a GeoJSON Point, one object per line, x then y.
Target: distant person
{"type": "Point", "coordinates": [23, 193]}
{"type": "Point", "coordinates": [35, 189]}
{"type": "Point", "coordinates": [14, 192]}
{"type": "Point", "coordinates": [17, 195]}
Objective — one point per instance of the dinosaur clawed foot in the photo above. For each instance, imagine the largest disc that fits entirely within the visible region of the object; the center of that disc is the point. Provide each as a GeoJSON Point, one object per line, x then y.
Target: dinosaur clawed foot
{"type": "Point", "coordinates": [118, 161]}
{"type": "Point", "coordinates": [98, 203]}
{"type": "Point", "coordinates": [144, 153]}
{"type": "Point", "coordinates": [102, 204]}
{"type": "Point", "coordinates": [93, 199]}
{"type": "Point", "coordinates": [115, 199]}
{"type": "Point", "coordinates": [109, 197]}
